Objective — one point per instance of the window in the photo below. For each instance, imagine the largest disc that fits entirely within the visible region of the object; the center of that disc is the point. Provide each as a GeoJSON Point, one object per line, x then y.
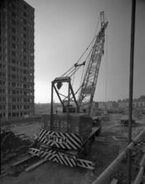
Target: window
{"type": "Point", "coordinates": [24, 49]}
{"type": "Point", "coordinates": [13, 45]}
{"type": "Point", "coordinates": [13, 38]}
{"type": "Point", "coordinates": [25, 14]}
{"type": "Point", "coordinates": [13, 30]}
{"type": "Point", "coordinates": [24, 57]}
{"type": "Point", "coordinates": [13, 22]}
{"type": "Point", "coordinates": [13, 114]}
{"type": "Point", "coordinates": [13, 84]}
{"type": "Point", "coordinates": [13, 61]}
{"type": "Point", "coordinates": [24, 35]}
{"type": "Point", "coordinates": [13, 92]}
{"type": "Point", "coordinates": [13, 14]}
{"type": "Point", "coordinates": [24, 21]}
{"type": "Point", "coordinates": [24, 28]}
{"type": "Point", "coordinates": [24, 42]}
{"type": "Point", "coordinates": [13, 6]}
{"type": "Point", "coordinates": [25, 7]}
{"type": "Point", "coordinates": [13, 53]}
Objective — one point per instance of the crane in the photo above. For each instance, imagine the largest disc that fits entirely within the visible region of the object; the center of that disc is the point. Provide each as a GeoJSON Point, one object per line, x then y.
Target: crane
{"type": "Point", "coordinates": [70, 133]}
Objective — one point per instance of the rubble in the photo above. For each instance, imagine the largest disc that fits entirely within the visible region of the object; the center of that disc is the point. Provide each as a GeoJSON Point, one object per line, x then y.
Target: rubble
{"type": "Point", "coordinates": [12, 144]}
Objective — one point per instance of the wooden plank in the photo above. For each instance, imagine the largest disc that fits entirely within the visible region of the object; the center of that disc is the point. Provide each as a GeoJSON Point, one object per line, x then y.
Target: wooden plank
{"type": "Point", "coordinates": [142, 163]}
{"type": "Point", "coordinates": [21, 161]}
{"type": "Point", "coordinates": [114, 181]}
{"type": "Point", "coordinates": [139, 176]}
{"type": "Point", "coordinates": [35, 165]}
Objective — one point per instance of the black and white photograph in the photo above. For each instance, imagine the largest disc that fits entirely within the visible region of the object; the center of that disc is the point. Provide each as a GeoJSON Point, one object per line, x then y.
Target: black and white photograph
{"type": "Point", "coordinates": [72, 91]}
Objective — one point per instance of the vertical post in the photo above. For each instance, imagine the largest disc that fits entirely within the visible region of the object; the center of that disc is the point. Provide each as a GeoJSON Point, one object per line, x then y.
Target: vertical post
{"type": "Point", "coordinates": [6, 61]}
{"type": "Point", "coordinates": [131, 84]}
{"type": "Point", "coordinates": [68, 106]}
{"type": "Point", "coordinates": [51, 110]}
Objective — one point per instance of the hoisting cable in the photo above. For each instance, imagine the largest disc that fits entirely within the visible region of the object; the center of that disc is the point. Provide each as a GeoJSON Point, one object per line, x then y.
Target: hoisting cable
{"type": "Point", "coordinates": [70, 70]}
{"type": "Point", "coordinates": [76, 65]}
{"type": "Point", "coordinates": [86, 61]}
{"type": "Point", "coordinates": [82, 75]}
{"type": "Point", "coordinates": [81, 81]}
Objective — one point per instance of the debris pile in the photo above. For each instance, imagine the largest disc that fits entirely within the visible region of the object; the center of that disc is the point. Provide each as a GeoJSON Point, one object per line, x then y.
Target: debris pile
{"type": "Point", "coordinates": [12, 144]}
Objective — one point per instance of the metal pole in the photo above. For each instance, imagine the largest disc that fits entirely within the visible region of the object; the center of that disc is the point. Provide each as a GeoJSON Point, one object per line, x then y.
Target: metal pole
{"type": "Point", "coordinates": [68, 106]}
{"type": "Point", "coordinates": [139, 177]}
{"type": "Point", "coordinates": [104, 177]}
{"type": "Point", "coordinates": [51, 111]}
{"type": "Point", "coordinates": [131, 85]}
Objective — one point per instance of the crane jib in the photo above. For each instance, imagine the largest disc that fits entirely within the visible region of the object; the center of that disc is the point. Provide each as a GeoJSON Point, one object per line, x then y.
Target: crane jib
{"type": "Point", "coordinates": [91, 75]}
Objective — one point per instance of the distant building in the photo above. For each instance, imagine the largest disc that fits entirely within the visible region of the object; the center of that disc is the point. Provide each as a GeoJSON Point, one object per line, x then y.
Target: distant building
{"type": "Point", "coordinates": [16, 59]}
{"type": "Point", "coordinates": [94, 109]}
{"type": "Point", "coordinates": [110, 105]}
{"type": "Point", "coordinates": [123, 104]}
{"type": "Point", "coordinates": [137, 103]}
{"type": "Point", "coordinates": [101, 105]}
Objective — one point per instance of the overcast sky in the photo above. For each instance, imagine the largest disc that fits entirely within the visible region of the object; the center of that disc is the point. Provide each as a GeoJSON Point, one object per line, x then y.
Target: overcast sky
{"type": "Point", "coordinates": [63, 30]}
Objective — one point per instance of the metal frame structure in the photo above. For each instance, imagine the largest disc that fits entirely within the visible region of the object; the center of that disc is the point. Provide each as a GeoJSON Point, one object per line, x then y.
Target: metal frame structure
{"type": "Point", "coordinates": [65, 100]}
{"type": "Point", "coordinates": [91, 75]}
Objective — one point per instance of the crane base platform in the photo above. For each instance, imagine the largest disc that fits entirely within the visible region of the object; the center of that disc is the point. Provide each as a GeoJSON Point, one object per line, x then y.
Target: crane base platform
{"type": "Point", "coordinates": [62, 158]}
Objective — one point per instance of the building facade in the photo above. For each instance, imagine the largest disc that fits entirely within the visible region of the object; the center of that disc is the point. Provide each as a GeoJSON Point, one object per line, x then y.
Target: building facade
{"type": "Point", "coordinates": [138, 103]}
{"type": "Point", "coordinates": [109, 105]}
{"type": "Point", "coordinates": [16, 59]}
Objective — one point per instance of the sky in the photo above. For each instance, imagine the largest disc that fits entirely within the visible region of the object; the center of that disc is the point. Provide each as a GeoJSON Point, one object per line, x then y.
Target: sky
{"type": "Point", "coordinates": [64, 29]}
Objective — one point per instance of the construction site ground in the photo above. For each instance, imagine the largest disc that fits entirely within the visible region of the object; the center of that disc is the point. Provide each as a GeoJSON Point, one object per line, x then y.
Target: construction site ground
{"type": "Point", "coordinates": [106, 147]}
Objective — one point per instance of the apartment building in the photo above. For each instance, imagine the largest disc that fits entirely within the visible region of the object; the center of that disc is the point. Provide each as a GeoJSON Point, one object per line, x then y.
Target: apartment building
{"type": "Point", "coordinates": [16, 59]}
